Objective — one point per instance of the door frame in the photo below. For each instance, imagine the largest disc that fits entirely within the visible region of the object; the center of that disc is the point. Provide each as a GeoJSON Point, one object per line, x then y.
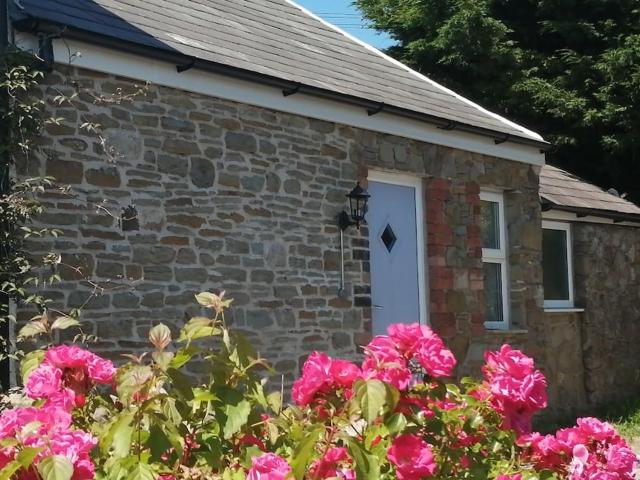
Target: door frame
{"type": "Point", "coordinates": [415, 182]}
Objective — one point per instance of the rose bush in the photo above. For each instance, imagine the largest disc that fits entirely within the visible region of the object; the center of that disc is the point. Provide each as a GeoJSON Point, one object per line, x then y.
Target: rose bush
{"type": "Point", "coordinates": [396, 415]}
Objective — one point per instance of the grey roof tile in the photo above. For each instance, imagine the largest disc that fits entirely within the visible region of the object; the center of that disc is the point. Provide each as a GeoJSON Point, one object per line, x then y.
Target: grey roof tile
{"type": "Point", "coordinates": [272, 37]}
{"type": "Point", "coordinates": [567, 190]}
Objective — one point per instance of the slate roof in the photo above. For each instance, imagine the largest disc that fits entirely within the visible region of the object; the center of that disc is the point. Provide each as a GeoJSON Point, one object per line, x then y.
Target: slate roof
{"type": "Point", "coordinates": [275, 38]}
{"type": "Point", "coordinates": [563, 189]}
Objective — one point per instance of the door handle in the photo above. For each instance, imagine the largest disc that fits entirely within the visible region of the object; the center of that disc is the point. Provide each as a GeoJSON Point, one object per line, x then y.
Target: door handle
{"type": "Point", "coordinates": [380, 307]}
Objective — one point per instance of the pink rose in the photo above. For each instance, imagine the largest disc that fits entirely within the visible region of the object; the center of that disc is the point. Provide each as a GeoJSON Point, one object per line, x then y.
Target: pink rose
{"type": "Point", "coordinates": [344, 373]}
{"type": "Point", "coordinates": [336, 463]}
{"type": "Point", "coordinates": [594, 428]}
{"type": "Point", "coordinates": [621, 459]}
{"type": "Point", "coordinates": [44, 381]}
{"type": "Point", "coordinates": [316, 377]}
{"type": "Point", "coordinates": [71, 357]}
{"type": "Point", "coordinates": [508, 361]}
{"type": "Point", "coordinates": [268, 467]}
{"type": "Point", "coordinates": [515, 476]}
{"type": "Point", "coordinates": [407, 337]}
{"type": "Point", "coordinates": [516, 389]}
{"type": "Point", "coordinates": [385, 363]}
{"type": "Point", "coordinates": [436, 359]}
{"type": "Point", "coordinates": [412, 457]}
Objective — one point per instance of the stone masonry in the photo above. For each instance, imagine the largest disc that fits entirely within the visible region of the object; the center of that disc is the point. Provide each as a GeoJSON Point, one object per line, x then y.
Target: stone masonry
{"type": "Point", "coordinates": [244, 199]}
{"type": "Point", "coordinates": [607, 277]}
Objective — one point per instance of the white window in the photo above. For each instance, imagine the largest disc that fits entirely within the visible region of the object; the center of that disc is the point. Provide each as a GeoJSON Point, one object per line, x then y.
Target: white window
{"type": "Point", "coordinates": [494, 258]}
{"type": "Point", "coordinates": [557, 265]}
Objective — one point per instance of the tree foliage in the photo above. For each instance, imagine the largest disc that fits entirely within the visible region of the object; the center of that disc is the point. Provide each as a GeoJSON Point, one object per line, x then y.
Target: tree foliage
{"type": "Point", "coordinates": [569, 69]}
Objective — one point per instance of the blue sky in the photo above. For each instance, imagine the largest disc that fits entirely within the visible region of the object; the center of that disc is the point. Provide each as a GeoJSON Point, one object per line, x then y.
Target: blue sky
{"type": "Point", "coordinates": [342, 14]}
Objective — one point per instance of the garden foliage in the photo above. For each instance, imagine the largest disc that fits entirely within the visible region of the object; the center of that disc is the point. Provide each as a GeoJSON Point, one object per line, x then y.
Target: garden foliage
{"type": "Point", "coordinates": [394, 416]}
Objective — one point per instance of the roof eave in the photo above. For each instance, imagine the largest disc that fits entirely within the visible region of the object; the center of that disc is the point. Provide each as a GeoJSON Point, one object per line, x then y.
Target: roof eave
{"type": "Point", "coordinates": [617, 217]}
{"type": "Point", "coordinates": [31, 24]}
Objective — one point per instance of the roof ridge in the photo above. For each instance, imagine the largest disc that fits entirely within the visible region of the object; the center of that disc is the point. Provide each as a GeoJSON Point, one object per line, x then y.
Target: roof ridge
{"type": "Point", "coordinates": [373, 49]}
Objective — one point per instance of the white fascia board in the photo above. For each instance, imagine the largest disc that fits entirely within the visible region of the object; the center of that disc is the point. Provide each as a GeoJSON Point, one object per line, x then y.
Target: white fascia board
{"type": "Point", "coordinates": [137, 67]}
{"type": "Point", "coordinates": [562, 216]}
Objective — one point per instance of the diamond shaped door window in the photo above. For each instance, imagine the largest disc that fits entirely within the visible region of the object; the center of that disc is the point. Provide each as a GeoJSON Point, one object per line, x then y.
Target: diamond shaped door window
{"type": "Point", "coordinates": [389, 238]}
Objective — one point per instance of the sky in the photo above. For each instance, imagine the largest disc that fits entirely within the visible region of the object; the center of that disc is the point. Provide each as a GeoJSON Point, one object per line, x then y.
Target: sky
{"type": "Point", "coordinates": [348, 18]}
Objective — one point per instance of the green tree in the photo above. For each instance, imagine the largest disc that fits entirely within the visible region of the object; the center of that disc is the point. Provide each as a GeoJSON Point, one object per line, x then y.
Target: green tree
{"type": "Point", "coordinates": [569, 69]}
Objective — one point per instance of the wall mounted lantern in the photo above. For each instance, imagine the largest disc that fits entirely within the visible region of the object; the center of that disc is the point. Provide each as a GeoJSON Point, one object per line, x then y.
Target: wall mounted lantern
{"type": "Point", "coordinates": [358, 199]}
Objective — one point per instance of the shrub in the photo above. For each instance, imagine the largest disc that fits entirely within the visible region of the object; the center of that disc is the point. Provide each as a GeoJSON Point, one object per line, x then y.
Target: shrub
{"type": "Point", "coordinates": [396, 415]}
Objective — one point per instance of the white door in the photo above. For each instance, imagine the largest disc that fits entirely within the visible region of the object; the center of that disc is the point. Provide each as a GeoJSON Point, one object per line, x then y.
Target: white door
{"type": "Point", "coordinates": [395, 241]}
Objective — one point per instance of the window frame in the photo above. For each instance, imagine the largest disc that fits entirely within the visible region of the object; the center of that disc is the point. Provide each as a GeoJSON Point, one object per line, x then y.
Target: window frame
{"type": "Point", "coordinates": [500, 257]}
{"type": "Point", "coordinates": [566, 227]}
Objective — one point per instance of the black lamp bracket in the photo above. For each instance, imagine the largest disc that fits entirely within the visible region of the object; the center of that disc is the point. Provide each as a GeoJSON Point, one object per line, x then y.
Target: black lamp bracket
{"type": "Point", "coordinates": [344, 221]}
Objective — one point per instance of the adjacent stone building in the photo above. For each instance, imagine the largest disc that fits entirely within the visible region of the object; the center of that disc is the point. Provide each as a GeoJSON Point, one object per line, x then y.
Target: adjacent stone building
{"type": "Point", "coordinates": [228, 170]}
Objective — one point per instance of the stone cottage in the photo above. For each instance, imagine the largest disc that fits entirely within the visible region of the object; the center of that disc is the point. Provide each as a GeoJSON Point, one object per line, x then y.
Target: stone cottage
{"type": "Point", "coordinates": [233, 165]}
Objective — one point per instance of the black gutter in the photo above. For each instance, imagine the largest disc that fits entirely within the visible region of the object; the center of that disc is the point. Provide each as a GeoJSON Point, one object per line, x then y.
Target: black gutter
{"type": "Point", "coordinates": [33, 25]}
{"type": "Point", "coordinates": [617, 217]}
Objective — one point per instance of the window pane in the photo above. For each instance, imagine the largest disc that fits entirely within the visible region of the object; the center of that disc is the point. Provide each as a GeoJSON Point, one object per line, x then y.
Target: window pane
{"type": "Point", "coordinates": [555, 265]}
{"type": "Point", "coordinates": [493, 292]}
{"type": "Point", "coordinates": [490, 212]}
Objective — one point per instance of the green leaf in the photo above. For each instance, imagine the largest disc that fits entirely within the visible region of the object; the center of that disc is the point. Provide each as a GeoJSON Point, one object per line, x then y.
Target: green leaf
{"type": "Point", "coordinates": [198, 327]}
{"type": "Point", "coordinates": [29, 363]}
{"type": "Point", "coordinates": [206, 299]}
{"type": "Point", "coordinates": [274, 399]}
{"type": "Point", "coordinates": [305, 452]}
{"type": "Point", "coordinates": [162, 359]}
{"type": "Point", "coordinates": [181, 383]}
{"type": "Point", "coordinates": [9, 470]}
{"type": "Point", "coordinates": [27, 455]}
{"type": "Point", "coordinates": [396, 423]}
{"type": "Point", "coordinates": [62, 323]}
{"type": "Point", "coordinates": [118, 436]}
{"type": "Point", "coordinates": [132, 379]}
{"type": "Point", "coordinates": [237, 417]}
{"type": "Point", "coordinates": [367, 466]}
{"type": "Point", "coordinates": [55, 467]}
{"type": "Point", "coordinates": [142, 471]}
{"type": "Point", "coordinates": [372, 397]}
{"type": "Point", "coordinates": [160, 336]}
{"type": "Point", "coordinates": [32, 329]}
{"type": "Point", "coordinates": [183, 356]}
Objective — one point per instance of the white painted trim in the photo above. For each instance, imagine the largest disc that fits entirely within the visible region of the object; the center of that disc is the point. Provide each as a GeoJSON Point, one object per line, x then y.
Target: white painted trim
{"type": "Point", "coordinates": [499, 256]}
{"type": "Point", "coordinates": [416, 183]}
{"type": "Point", "coordinates": [572, 217]}
{"type": "Point", "coordinates": [565, 227]}
{"type": "Point", "coordinates": [206, 83]}
{"type": "Point", "coordinates": [371, 48]}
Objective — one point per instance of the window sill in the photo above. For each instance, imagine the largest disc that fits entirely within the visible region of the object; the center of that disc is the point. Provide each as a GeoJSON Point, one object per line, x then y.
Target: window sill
{"type": "Point", "coordinates": [506, 331]}
{"type": "Point", "coordinates": [563, 310]}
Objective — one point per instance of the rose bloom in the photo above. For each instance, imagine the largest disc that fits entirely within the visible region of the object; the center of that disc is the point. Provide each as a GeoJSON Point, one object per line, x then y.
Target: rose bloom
{"type": "Point", "coordinates": [44, 381]}
{"type": "Point", "coordinates": [412, 457]}
{"type": "Point", "coordinates": [268, 467]}
{"type": "Point", "coordinates": [72, 357]}
{"type": "Point", "coordinates": [334, 464]}
{"type": "Point", "coordinates": [407, 337]}
{"type": "Point", "coordinates": [344, 373]}
{"type": "Point", "coordinates": [316, 377]}
{"type": "Point", "coordinates": [385, 363]}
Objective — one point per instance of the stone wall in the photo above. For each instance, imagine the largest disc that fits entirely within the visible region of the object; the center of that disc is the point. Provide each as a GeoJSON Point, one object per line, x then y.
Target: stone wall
{"type": "Point", "coordinates": [241, 198]}
{"type": "Point", "coordinates": [607, 285]}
